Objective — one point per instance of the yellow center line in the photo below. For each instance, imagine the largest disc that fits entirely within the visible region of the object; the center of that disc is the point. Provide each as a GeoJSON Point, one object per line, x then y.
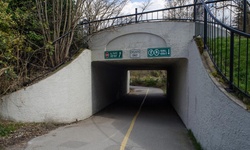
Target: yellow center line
{"type": "Point", "coordinates": [125, 140]}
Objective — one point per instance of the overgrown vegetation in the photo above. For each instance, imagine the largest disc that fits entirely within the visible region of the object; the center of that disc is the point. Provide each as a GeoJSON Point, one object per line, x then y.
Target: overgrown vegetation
{"type": "Point", "coordinates": [12, 133]}
{"type": "Point", "coordinates": [149, 78]}
{"type": "Point", "coordinates": [12, 42]}
{"type": "Point", "coordinates": [196, 144]}
{"type": "Point", "coordinates": [36, 37]}
{"type": "Point", "coordinates": [200, 44]}
{"type": "Point", "coordinates": [25, 50]}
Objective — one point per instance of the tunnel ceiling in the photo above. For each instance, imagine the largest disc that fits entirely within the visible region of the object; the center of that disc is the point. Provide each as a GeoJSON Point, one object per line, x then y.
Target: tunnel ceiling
{"type": "Point", "coordinates": [141, 64]}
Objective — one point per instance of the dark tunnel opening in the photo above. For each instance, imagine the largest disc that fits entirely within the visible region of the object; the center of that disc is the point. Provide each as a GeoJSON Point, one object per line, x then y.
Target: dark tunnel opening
{"type": "Point", "coordinates": [111, 80]}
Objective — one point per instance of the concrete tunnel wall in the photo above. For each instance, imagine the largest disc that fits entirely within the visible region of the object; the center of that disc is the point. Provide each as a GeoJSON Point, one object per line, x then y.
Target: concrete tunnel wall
{"type": "Point", "coordinates": [177, 91]}
{"type": "Point", "coordinates": [109, 83]}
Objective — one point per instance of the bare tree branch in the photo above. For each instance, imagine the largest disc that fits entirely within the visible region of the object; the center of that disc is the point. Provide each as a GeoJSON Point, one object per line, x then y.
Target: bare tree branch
{"type": "Point", "coordinates": [57, 18]}
{"type": "Point", "coordinates": [101, 9]}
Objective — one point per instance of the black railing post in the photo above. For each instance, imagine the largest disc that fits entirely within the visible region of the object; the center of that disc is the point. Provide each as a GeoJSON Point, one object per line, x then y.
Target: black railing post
{"type": "Point", "coordinates": [195, 2]}
{"type": "Point", "coordinates": [136, 17]}
{"type": "Point", "coordinates": [89, 26]}
{"type": "Point", "coordinates": [205, 29]}
{"type": "Point", "coordinates": [245, 16]}
{"type": "Point", "coordinates": [231, 71]}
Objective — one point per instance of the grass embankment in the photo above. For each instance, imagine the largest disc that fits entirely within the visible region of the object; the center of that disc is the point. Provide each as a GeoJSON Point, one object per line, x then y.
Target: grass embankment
{"type": "Point", "coordinates": [219, 48]}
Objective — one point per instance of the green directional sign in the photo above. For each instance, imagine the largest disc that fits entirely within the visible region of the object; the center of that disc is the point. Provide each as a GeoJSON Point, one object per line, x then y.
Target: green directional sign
{"type": "Point", "coordinates": [159, 52]}
{"type": "Point", "coordinates": [113, 54]}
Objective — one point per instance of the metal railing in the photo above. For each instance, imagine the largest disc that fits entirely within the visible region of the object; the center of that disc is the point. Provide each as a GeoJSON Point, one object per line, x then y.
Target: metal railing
{"type": "Point", "coordinates": [179, 13]}
{"type": "Point", "coordinates": [229, 49]}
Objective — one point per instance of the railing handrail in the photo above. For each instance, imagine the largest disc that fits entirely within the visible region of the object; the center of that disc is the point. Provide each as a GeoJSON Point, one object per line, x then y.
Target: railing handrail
{"type": "Point", "coordinates": [141, 13]}
{"type": "Point", "coordinates": [152, 11]}
{"type": "Point", "coordinates": [231, 62]}
{"type": "Point", "coordinates": [223, 24]}
{"type": "Point", "coordinates": [237, 31]}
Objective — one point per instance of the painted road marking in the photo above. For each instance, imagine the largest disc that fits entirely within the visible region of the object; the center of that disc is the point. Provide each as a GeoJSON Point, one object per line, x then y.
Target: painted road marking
{"type": "Point", "coordinates": [125, 140]}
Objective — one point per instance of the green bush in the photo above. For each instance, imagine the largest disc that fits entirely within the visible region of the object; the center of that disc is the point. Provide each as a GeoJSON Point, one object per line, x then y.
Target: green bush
{"type": "Point", "coordinates": [155, 73]}
{"type": "Point", "coordinates": [149, 78]}
{"type": "Point", "coordinates": [136, 82]}
{"type": "Point", "coordinates": [151, 82]}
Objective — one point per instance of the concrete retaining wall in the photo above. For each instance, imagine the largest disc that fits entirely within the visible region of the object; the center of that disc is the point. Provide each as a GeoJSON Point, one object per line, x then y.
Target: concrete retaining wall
{"type": "Point", "coordinates": [62, 97]}
{"type": "Point", "coordinates": [216, 121]}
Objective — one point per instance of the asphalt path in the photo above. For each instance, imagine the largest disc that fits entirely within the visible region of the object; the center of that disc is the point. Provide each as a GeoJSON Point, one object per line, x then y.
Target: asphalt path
{"type": "Point", "coordinates": [142, 120]}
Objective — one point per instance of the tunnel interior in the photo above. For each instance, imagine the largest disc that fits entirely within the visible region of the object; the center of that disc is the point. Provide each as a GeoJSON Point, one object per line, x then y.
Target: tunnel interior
{"type": "Point", "coordinates": [111, 79]}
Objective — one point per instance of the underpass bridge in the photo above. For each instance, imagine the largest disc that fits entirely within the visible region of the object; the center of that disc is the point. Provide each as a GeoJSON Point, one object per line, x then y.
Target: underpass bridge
{"type": "Point", "coordinates": [164, 39]}
{"type": "Point", "coordinates": [158, 40]}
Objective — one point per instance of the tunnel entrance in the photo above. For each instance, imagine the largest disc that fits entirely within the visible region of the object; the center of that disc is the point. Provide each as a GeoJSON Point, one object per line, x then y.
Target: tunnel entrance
{"type": "Point", "coordinates": [111, 79]}
{"type": "Point", "coordinates": [149, 109]}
